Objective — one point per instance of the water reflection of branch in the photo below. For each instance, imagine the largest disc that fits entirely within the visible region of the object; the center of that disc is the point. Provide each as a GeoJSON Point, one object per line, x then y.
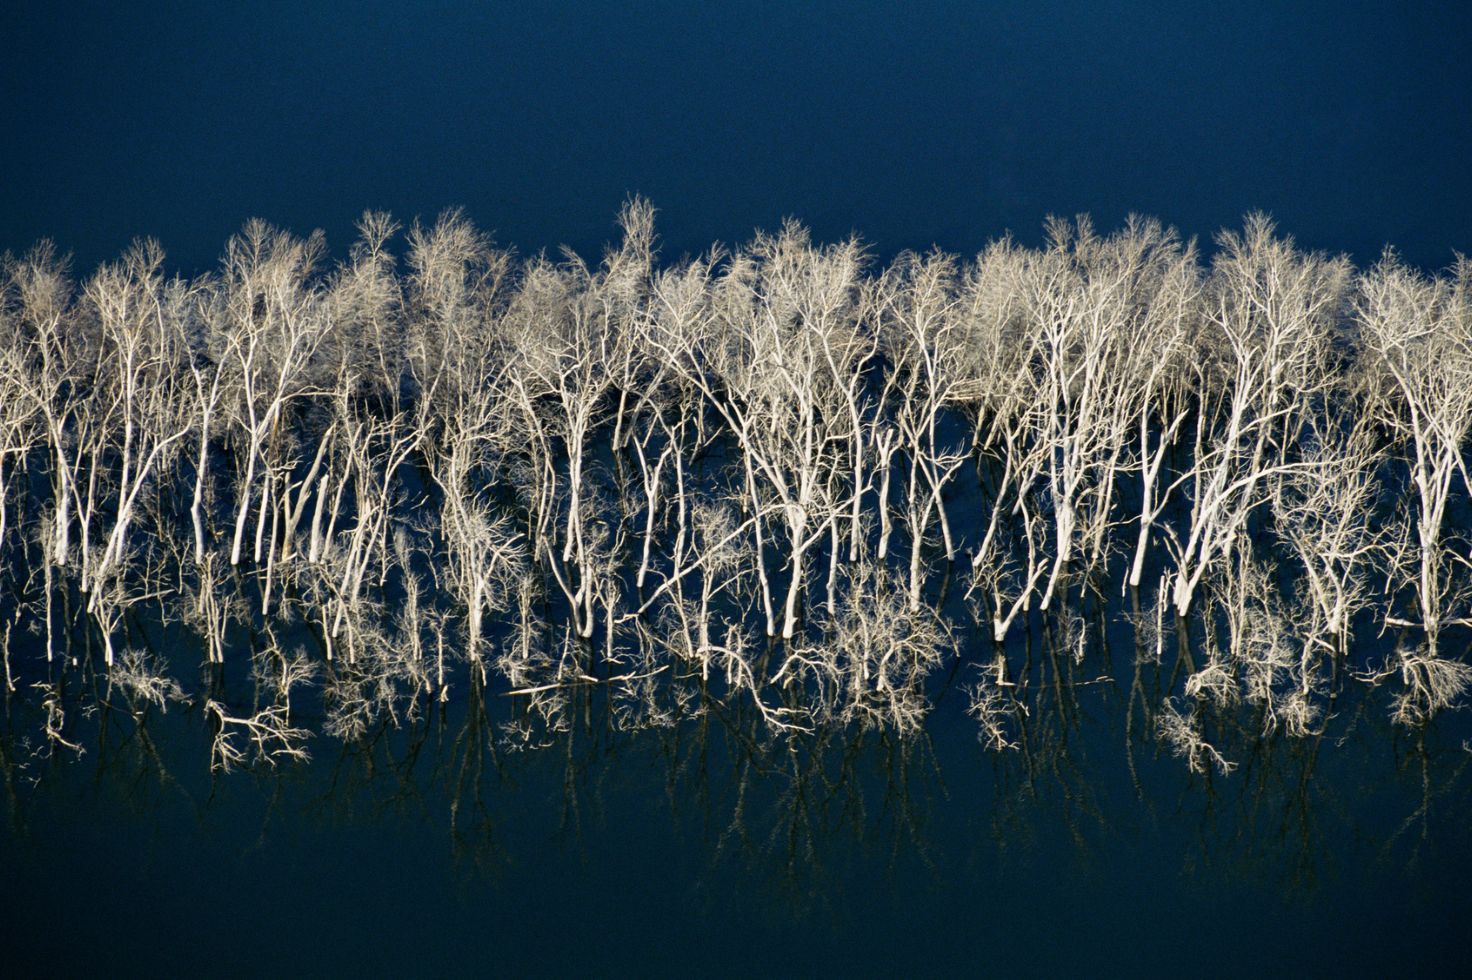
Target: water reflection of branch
{"type": "Point", "coordinates": [1421, 758]}
{"type": "Point", "coordinates": [796, 808]}
{"type": "Point", "coordinates": [472, 824]}
{"type": "Point", "coordinates": [135, 751]}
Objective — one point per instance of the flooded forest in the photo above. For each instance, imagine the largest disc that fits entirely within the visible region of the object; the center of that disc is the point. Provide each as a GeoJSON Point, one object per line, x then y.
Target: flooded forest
{"type": "Point", "coordinates": [304, 502]}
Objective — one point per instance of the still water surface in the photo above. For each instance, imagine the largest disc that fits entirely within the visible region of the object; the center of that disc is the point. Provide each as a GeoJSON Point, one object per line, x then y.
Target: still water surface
{"type": "Point", "coordinates": [705, 846]}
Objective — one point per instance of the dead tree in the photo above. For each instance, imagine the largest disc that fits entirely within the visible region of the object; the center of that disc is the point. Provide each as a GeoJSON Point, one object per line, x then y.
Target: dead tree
{"type": "Point", "coordinates": [929, 377]}
{"type": "Point", "coordinates": [1271, 316]}
{"type": "Point", "coordinates": [779, 312]}
{"type": "Point", "coordinates": [274, 321]}
{"type": "Point", "coordinates": [1418, 332]}
{"type": "Point", "coordinates": [1158, 393]}
{"type": "Point", "coordinates": [138, 418]}
{"type": "Point", "coordinates": [1009, 560]}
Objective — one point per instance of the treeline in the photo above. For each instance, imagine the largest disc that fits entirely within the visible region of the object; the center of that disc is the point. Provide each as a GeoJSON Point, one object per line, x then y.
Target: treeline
{"type": "Point", "coordinates": [758, 471]}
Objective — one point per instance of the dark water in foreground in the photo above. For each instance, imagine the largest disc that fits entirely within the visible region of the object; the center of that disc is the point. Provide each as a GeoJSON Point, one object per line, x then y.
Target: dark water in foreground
{"type": "Point", "coordinates": [706, 847]}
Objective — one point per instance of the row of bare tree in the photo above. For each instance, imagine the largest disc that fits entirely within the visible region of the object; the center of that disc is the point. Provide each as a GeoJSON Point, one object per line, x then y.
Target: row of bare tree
{"type": "Point", "coordinates": [760, 468]}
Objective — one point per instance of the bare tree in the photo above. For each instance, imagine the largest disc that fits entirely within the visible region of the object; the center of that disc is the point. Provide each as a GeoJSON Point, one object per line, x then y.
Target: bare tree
{"type": "Point", "coordinates": [1271, 313]}
{"type": "Point", "coordinates": [1009, 561]}
{"type": "Point", "coordinates": [1419, 335]}
{"type": "Point", "coordinates": [274, 320]}
{"type": "Point", "coordinates": [781, 314]}
{"type": "Point", "coordinates": [1325, 514]}
{"type": "Point", "coordinates": [927, 361]}
{"type": "Point", "coordinates": [569, 476]}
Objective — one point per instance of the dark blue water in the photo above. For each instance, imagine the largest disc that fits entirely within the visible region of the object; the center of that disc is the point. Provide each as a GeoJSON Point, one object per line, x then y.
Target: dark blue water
{"type": "Point", "coordinates": [916, 123]}
{"type": "Point", "coordinates": [706, 846]}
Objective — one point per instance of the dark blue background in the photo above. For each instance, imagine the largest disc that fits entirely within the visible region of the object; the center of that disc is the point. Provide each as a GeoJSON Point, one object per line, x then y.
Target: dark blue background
{"type": "Point", "coordinates": [913, 123]}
